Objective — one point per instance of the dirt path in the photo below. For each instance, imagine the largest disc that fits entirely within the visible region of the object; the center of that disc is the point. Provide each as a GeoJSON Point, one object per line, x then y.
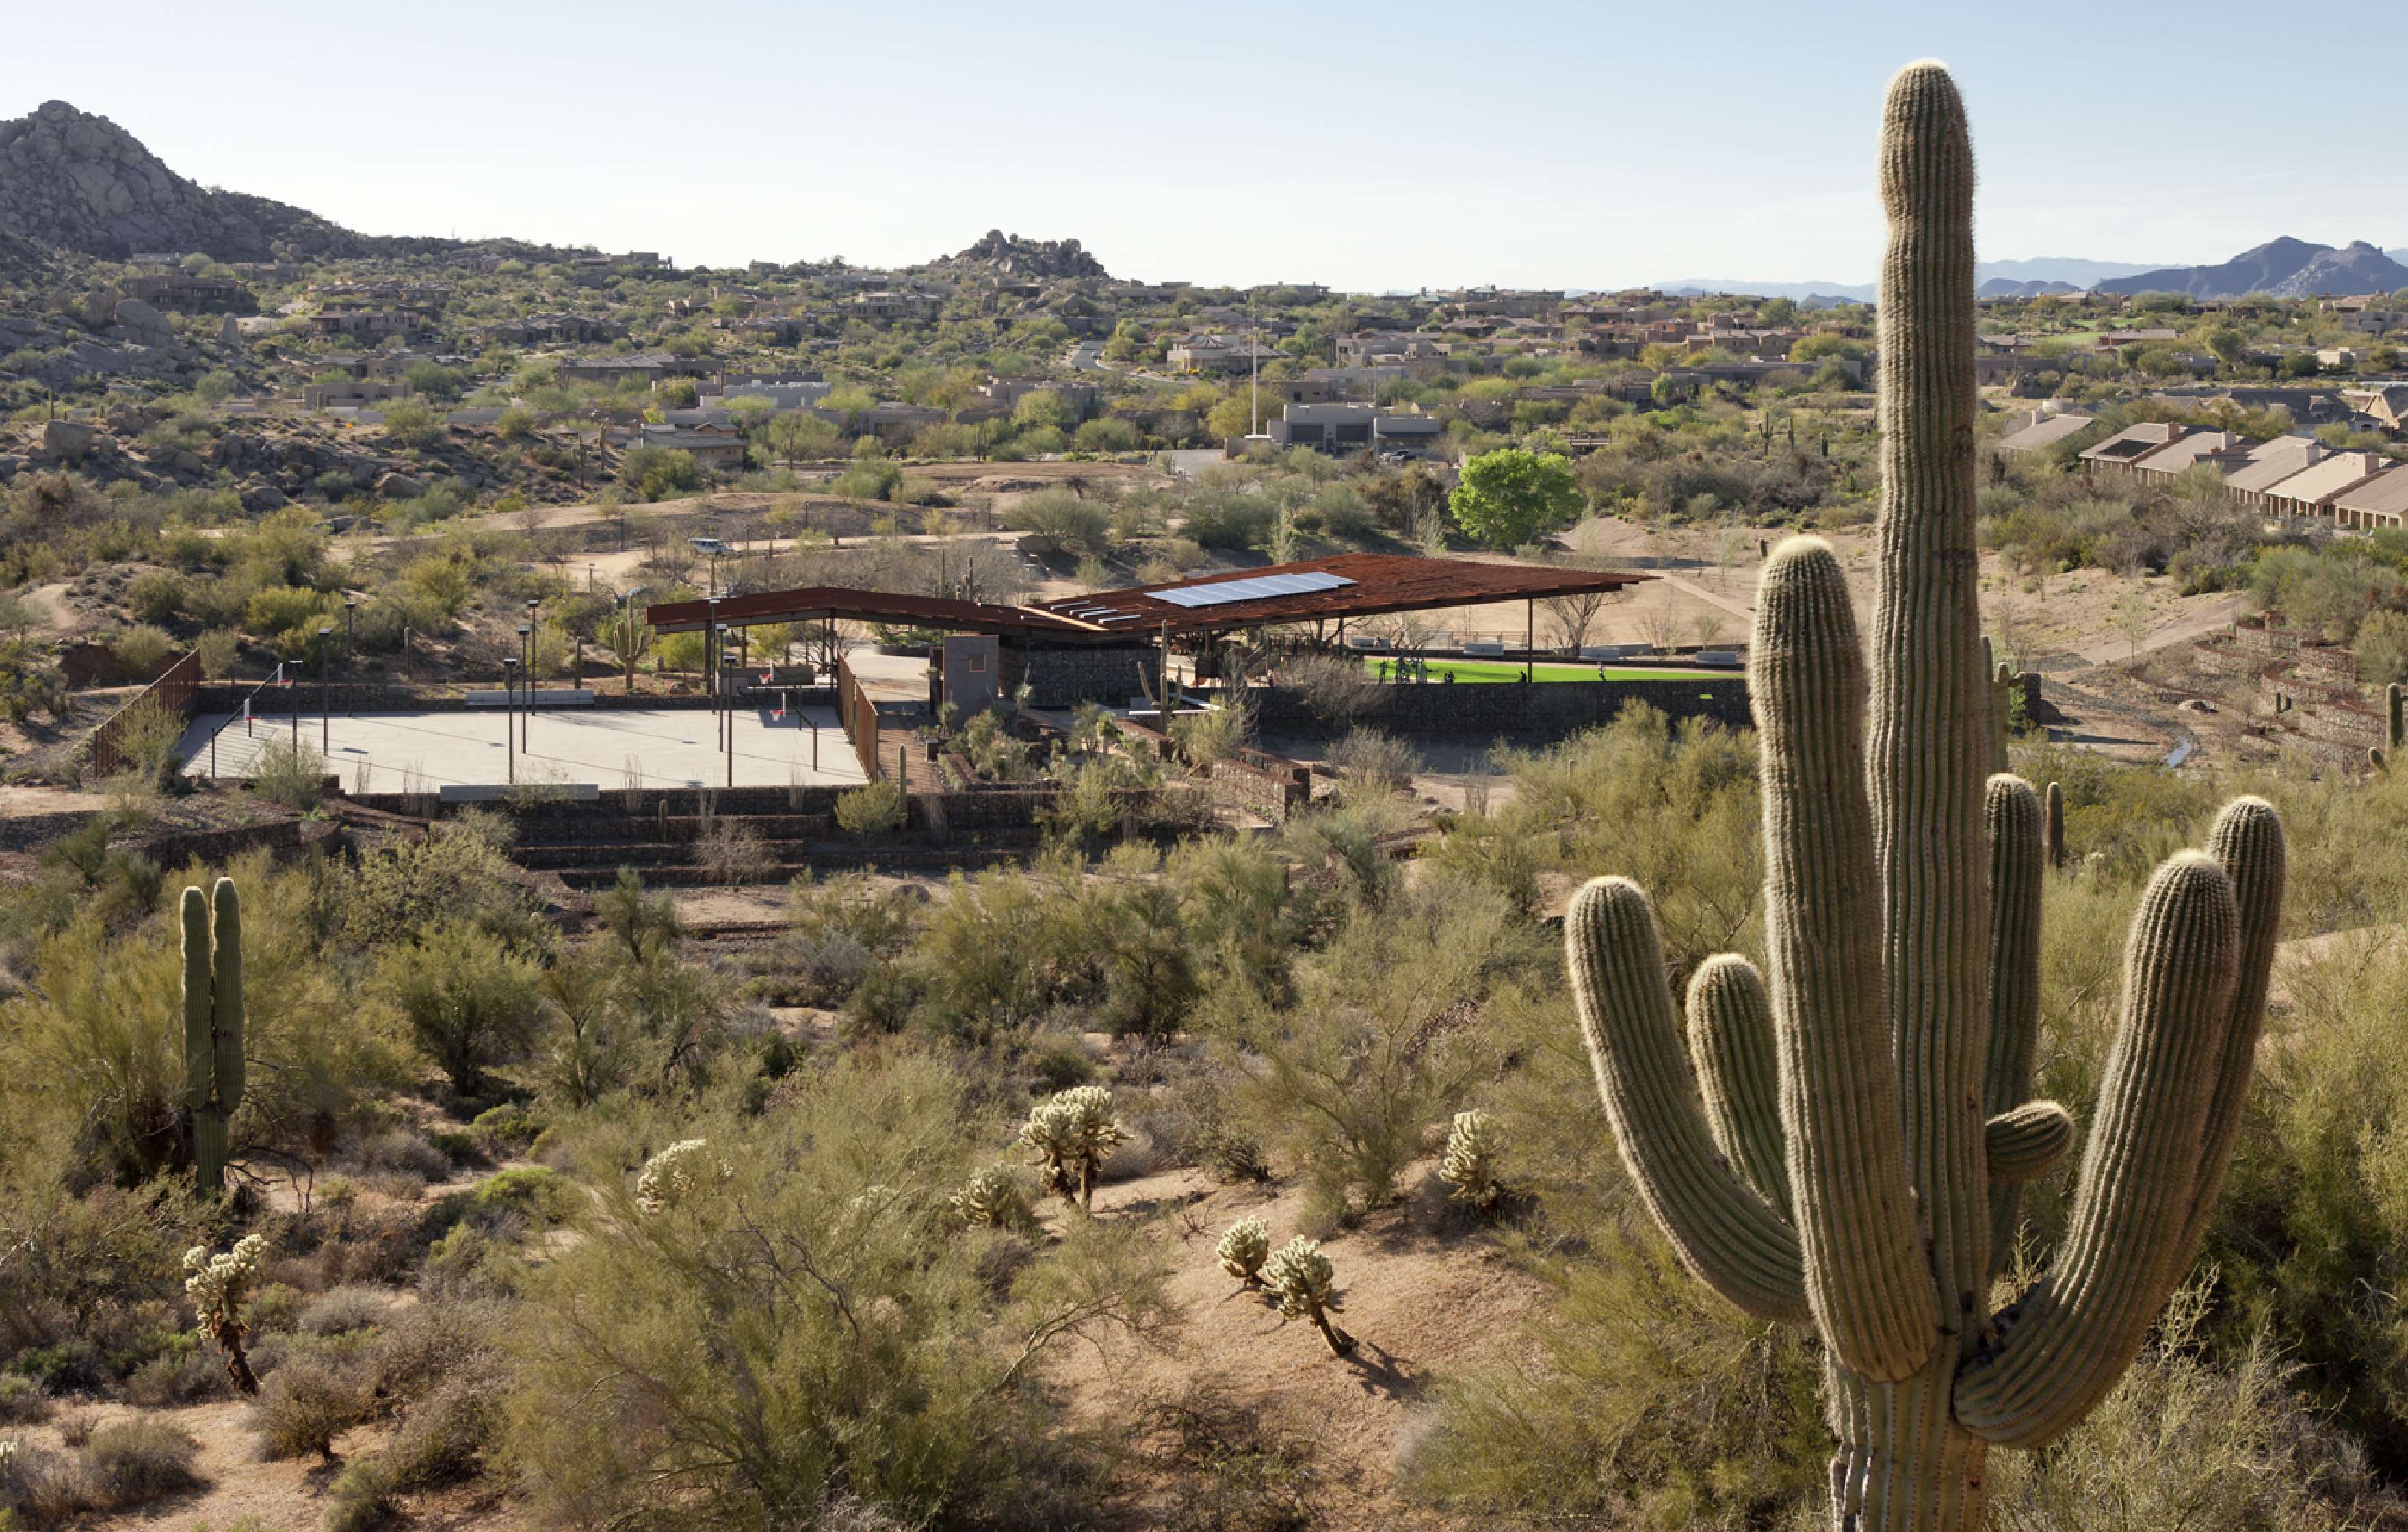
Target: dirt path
{"type": "Point", "coordinates": [2193, 626]}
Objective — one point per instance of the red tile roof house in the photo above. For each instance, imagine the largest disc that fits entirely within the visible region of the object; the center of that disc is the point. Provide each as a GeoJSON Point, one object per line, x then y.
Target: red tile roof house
{"type": "Point", "coordinates": [2379, 501]}
{"type": "Point", "coordinates": [2313, 491]}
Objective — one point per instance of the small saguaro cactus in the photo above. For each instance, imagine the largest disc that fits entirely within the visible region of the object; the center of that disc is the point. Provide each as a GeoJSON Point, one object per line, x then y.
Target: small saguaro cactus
{"type": "Point", "coordinates": [1243, 1250]}
{"type": "Point", "coordinates": [1472, 1145]}
{"type": "Point", "coordinates": [218, 1285]}
{"type": "Point", "coordinates": [213, 1024]}
{"type": "Point", "coordinates": [1878, 1200]}
{"type": "Point", "coordinates": [1071, 1134]}
{"type": "Point", "coordinates": [2052, 835]}
{"type": "Point", "coordinates": [1305, 1284]}
{"type": "Point", "coordinates": [995, 1198]}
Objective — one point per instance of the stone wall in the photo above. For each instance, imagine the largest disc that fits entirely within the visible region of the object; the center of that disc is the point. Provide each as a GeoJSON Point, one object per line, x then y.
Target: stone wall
{"type": "Point", "coordinates": [1513, 710]}
{"type": "Point", "coordinates": [1064, 677]}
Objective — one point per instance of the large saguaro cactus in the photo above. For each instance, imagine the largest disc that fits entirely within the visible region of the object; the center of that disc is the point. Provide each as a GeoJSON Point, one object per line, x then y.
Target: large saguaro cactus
{"type": "Point", "coordinates": [213, 1019]}
{"type": "Point", "coordinates": [1903, 883]}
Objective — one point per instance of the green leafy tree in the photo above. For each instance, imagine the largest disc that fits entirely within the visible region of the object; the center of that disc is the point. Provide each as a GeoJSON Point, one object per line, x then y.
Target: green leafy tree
{"type": "Point", "coordinates": [1509, 496]}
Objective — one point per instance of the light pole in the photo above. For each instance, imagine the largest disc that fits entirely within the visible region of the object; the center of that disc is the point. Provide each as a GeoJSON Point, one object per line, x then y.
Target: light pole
{"type": "Point", "coordinates": [526, 728]}
{"type": "Point", "coordinates": [351, 656]}
{"type": "Point", "coordinates": [509, 720]}
{"type": "Point", "coordinates": [711, 669]}
{"type": "Point", "coordinates": [325, 705]}
{"type": "Point", "coordinates": [526, 649]}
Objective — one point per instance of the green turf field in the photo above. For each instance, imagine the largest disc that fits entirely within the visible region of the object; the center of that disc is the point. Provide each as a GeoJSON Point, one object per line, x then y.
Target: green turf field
{"type": "Point", "coordinates": [1497, 670]}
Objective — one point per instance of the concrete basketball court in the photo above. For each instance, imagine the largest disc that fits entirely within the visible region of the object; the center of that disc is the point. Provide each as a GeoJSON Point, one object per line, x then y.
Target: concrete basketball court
{"type": "Point", "coordinates": [423, 751]}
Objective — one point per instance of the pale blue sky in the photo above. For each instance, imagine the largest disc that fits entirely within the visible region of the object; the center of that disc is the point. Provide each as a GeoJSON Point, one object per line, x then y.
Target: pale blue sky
{"type": "Point", "coordinates": [1400, 145]}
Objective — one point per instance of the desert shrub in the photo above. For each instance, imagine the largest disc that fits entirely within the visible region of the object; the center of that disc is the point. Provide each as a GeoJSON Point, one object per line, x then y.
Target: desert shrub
{"type": "Point", "coordinates": [732, 853]}
{"type": "Point", "coordinates": [342, 1311]}
{"type": "Point", "coordinates": [290, 774]}
{"type": "Point", "coordinates": [218, 648]}
{"type": "Point", "coordinates": [446, 1435]}
{"type": "Point", "coordinates": [1651, 1404]}
{"type": "Point", "coordinates": [1192, 1119]}
{"type": "Point", "coordinates": [871, 810]}
{"type": "Point", "coordinates": [469, 1002]}
{"type": "Point", "coordinates": [905, 1407]}
{"type": "Point", "coordinates": [1379, 1041]}
{"type": "Point", "coordinates": [1229, 518]}
{"type": "Point", "coordinates": [1373, 762]}
{"type": "Point", "coordinates": [22, 1401]}
{"type": "Point", "coordinates": [178, 1376]}
{"type": "Point", "coordinates": [1674, 807]}
{"type": "Point", "coordinates": [155, 596]}
{"type": "Point", "coordinates": [312, 1397]}
{"type": "Point", "coordinates": [141, 648]}
{"type": "Point", "coordinates": [361, 1499]}
{"type": "Point", "coordinates": [1059, 521]}
{"type": "Point", "coordinates": [1216, 734]}
{"type": "Point", "coordinates": [2180, 1443]}
{"type": "Point", "coordinates": [399, 1150]}
{"type": "Point", "coordinates": [869, 479]}
{"type": "Point", "coordinates": [136, 1460]}
{"type": "Point", "coordinates": [1334, 686]}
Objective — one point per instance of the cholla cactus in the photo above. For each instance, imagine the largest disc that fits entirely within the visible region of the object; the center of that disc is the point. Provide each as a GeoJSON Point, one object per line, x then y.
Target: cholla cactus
{"type": "Point", "coordinates": [996, 1198]}
{"type": "Point", "coordinates": [218, 1285]}
{"type": "Point", "coordinates": [1304, 1283]}
{"type": "Point", "coordinates": [1244, 1248]}
{"type": "Point", "coordinates": [1472, 1146]}
{"type": "Point", "coordinates": [1071, 1134]}
{"type": "Point", "coordinates": [673, 1174]}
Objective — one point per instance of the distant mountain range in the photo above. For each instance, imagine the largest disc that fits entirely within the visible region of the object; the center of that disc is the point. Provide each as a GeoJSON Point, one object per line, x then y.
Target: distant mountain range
{"type": "Point", "coordinates": [2287, 268]}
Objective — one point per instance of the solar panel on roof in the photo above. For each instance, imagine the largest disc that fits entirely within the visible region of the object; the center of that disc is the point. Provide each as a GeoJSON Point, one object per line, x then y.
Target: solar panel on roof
{"type": "Point", "coordinates": [1260, 588]}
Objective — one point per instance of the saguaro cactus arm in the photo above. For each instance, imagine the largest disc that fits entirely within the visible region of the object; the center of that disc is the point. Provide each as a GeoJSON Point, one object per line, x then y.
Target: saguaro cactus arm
{"type": "Point", "coordinates": [1725, 1233]}
{"type": "Point", "coordinates": [2024, 1145]}
{"type": "Point", "coordinates": [2247, 842]}
{"type": "Point", "coordinates": [200, 1051]}
{"type": "Point", "coordinates": [2057, 1352]}
{"type": "Point", "coordinates": [2013, 814]}
{"type": "Point", "coordinates": [1739, 1072]}
{"type": "Point", "coordinates": [226, 1009]}
{"type": "Point", "coordinates": [1928, 747]}
{"type": "Point", "coordinates": [1867, 1279]}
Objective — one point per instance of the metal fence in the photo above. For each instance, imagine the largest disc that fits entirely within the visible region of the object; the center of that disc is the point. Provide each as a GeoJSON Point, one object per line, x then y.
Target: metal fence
{"type": "Point", "coordinates": [173, 692]}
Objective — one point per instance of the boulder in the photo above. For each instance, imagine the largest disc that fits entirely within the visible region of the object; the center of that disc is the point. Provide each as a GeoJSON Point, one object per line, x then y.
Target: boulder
{"type": "Point", "coordinates": [69, 439]}
{"type": "Point", "coordinates": [400, 486]}
{"type": "Point", "coordinates": [262, 500]}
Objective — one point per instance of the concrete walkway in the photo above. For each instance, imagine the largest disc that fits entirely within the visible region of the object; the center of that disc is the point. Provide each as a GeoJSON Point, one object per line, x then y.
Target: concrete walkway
{"type": "Point", "coordinates": [393, 752]}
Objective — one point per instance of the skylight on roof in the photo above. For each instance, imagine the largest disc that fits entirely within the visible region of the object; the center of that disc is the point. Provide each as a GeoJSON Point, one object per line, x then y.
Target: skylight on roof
{"type": "Point", "coordinates": [1260, 588]}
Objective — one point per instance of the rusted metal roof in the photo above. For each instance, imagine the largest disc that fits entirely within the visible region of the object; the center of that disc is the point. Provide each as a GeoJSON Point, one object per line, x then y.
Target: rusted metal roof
{"type": "Point", "coordinates": [1361, 585]}
{"type": "Point", "coordinates": [1373, 583]}
{"type": "Point", "coordinates": [815, 603]}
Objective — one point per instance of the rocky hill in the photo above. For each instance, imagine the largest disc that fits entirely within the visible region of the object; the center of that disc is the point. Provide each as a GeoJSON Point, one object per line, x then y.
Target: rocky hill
{"type": "Point", "coordinates": [2002, 287]}
{"type": "Point", "coordinates": [1007, 254]}
{"type": "Point", "coordinates": [73, 181]}
{"type": "Point", "coordinates": [2285, 268]}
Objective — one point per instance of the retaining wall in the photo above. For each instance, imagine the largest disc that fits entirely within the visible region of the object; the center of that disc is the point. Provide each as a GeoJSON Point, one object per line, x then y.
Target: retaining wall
{"type": "Point", "coordinates": [1514, 710]}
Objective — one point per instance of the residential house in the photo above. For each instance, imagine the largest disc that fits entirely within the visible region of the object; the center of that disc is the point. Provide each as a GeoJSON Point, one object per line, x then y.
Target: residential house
{"type": "Point", "coordinates": [2313, 491]}
{"type": "Point", "coordinates": [183, 292]}
{"type": "Point", "coordinates": [2131, 444]}
{"type": "Point", "coordinates": [1078, 399]}
{"type": "Point", "coordinates": [2379, 501]}
{"type": "Point", "coordinates": [885, 307]}
{"type": "Point", "coordinates": [371, 324]}
{"type": "Point", "coordinates": [1213, 354]}
{"type": "Point", "coordinates": [1340, 429]}
{"type": "Point", "coordinates": [1391, 348]}
{"type": "Point", "coordinates": [2384, 408]}
{"type": "Point", "coordinates": [2219, 449]}
{"type": "Point", "coordinates": [2270, 464]}
{"type": "Point", "coordinates": [782, 393]}
{"type": "Point", "coordinates": [2040, 430]}
{"type": "Point", "coordinates": [716, 447]}
{"type": "Point", "coordinates": [649, 367]}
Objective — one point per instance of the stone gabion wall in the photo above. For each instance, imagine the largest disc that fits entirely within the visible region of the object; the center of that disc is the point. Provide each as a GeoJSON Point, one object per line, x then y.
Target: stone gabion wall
{"type": "Point", "coordinates": [1513, 710]}
{"type": "Point", "coordinates": [1064, 677]}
